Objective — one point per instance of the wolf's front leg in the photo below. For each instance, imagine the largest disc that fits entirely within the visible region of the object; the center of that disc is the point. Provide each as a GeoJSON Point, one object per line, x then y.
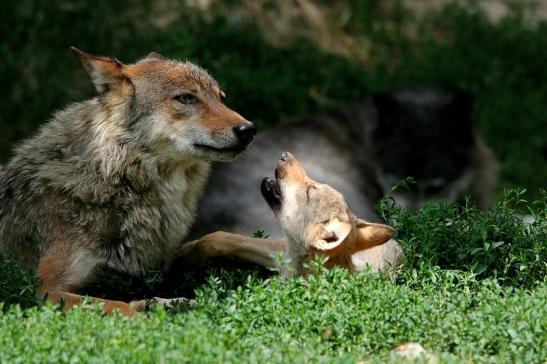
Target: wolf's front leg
{"type": "Point", "coordinates": [66, 267]}
{"type": "Point", "coordinates": [255, 250]}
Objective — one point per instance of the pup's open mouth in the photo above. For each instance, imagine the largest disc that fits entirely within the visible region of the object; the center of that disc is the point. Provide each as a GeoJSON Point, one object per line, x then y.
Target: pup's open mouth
{"type": "Point", "coordinates": [271, 192]}
{"type": "Point", "coordinates": [229, 150]}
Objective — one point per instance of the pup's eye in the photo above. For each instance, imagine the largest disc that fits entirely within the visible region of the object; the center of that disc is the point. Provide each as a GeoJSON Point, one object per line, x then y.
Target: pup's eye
{"type": "Point", "coordinates": [222, 95]}
{"type": "Point", "coordinates": [187, 99]}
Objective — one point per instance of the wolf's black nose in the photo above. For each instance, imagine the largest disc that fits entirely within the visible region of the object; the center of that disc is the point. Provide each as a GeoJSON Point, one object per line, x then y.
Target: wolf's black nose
{"type": "Point", "coordinates": [245, 132]}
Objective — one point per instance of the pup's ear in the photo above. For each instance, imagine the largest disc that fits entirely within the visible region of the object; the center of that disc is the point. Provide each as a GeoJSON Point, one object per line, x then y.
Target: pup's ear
{"type": "Point", "coordinates": [105, 72]}
{"type": "Point", "coordinates": [370, 234]}
{"type": "Point", "coordinates": [331, 234]}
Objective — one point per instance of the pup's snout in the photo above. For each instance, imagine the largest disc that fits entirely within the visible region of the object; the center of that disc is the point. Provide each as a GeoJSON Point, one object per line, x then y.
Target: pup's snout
{"type": "Point", "coordinates": [289, 167]}
{"type": "Point", "coordinates": [245, 132]}
{"type": "Point", "coordinates": [280, 171]}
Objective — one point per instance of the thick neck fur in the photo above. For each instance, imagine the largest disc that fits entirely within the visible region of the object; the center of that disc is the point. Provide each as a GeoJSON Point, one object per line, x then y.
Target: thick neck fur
{"type": "Point", "coordinates": [105, 153]}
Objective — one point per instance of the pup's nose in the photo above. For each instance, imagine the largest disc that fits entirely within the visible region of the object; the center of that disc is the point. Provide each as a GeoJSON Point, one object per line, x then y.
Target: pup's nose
{"type": "Point", "coordinates": [284, 156]}
{"type": "Point", "coordinates": [245, 133]}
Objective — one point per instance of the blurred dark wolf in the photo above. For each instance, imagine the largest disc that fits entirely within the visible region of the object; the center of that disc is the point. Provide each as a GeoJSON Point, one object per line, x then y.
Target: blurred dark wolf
{"type": "Point", "coordinates": [114, 181]}
{"type": "Point", "coordinates": [362, 150]}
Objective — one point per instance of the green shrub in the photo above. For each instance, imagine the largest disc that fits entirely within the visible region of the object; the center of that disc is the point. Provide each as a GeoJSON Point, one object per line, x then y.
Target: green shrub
{"type": "Point", "coordinates": [17, 284]}
{"type": "Point", "coordinates": [496, 243]}
{"type": "Point", "coordinates": [502, 65]}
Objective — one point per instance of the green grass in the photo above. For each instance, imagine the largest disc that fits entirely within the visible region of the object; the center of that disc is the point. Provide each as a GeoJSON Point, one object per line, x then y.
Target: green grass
{"type": "Point", "coordinates": [333, 317]}
{"type": "Point", "coordinates": [461, 294]}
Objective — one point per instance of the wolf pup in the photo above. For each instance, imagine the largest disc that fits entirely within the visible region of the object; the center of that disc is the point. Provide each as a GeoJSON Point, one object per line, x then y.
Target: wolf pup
{"type": "Point", "coordinates": [362, 150]}
{"type": "Point", "coordinates": [315, 220]}
{"type": "Point", "coordinates": [115, 181]}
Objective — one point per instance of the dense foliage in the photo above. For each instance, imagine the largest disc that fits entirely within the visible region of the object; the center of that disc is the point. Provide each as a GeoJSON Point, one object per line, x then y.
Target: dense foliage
{"type": "Point", "coordinates": [502, 64]}
{"type": "Point", "coordinates": [333, 317]}
{"type": "Point", "coordinates": [496, 243]}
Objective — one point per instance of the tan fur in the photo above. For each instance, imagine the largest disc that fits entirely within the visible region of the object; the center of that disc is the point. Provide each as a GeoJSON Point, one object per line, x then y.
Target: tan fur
{"type": "Point", "coordinates": [316, 221]}
{"type": "Point", "coordinates": [115, 181]}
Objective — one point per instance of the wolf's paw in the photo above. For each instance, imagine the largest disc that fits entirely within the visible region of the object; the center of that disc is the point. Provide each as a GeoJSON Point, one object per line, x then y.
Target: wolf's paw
{"type": "Point", "coordinates": [168, 303]}
{"type": "Point", "coordinates": [109, 307]}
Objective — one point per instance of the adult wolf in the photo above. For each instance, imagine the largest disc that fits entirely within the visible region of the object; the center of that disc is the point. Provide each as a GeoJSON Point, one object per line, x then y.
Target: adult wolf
{"type": "Point", "coordinates": [362, 150]}
{"type": "Point", "coordinates": [114, 181]}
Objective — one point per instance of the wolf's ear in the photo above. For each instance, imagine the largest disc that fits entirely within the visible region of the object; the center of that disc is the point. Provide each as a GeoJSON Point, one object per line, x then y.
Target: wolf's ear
{"type": "Point", "coordinates": [332, 234]}
{"type": "Point", "coordinates": [370, 234]}
{"type": "Point", "coordinates": [156, 56]}
{"type": "Point", "coordinates": [462, 103]}
{"type": "Point", "coordinates": [104, 71]}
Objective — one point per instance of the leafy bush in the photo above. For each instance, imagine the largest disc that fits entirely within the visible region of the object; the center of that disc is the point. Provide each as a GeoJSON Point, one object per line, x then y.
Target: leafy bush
{"type": "Point", "coordinates": [501, 64]}
{"type": "Point", "coordinates": [496, 243]}
{"type": "Point", "coordinates": [17, 284]}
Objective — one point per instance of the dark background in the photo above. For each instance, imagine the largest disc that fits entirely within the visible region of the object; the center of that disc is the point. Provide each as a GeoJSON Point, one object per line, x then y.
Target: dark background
{"type": "Point", "coordinates": [279, 59]}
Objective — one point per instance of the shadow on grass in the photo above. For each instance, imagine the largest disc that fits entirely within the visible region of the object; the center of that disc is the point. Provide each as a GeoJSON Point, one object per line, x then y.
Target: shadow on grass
{"type": "Point", "coordinates": [177, 282]}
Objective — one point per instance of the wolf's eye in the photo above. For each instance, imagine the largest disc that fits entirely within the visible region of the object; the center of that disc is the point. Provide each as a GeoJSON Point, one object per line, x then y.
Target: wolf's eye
{"type": "Point", "coordinates": [187, 98]}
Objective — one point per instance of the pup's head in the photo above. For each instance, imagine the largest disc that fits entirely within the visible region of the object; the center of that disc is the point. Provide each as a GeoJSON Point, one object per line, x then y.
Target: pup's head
{"type": "Point", "coordinates": [315, 216]}
{"type": "Point", "coordinates": [174, 109]}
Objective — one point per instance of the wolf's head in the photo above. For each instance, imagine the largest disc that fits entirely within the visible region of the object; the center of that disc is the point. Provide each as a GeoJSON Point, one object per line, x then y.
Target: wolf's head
{"type": "Point", "coordinates": [174, 109]}
{"type": "Point", "coordinates": [315, 217]}
{"type": "Point", "coordinates": [426, 134]}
